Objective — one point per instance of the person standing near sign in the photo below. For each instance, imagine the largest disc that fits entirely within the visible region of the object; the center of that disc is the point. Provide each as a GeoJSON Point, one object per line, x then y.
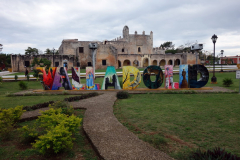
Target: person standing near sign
{"type": "Point", "coordinates": [26, 72]}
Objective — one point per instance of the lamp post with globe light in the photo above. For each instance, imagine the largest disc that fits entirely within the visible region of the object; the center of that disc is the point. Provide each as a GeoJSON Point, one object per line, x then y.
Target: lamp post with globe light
{"type": "Point", "coordinates": [221, 59]}
{"type": "Point", "coordinates": [214, 40]}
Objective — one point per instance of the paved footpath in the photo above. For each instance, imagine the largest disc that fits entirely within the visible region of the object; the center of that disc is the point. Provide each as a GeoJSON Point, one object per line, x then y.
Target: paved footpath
{"type": "Point", "coordinates": [111, 139]}
{"type": "Point", "coordinates": [109, 136]}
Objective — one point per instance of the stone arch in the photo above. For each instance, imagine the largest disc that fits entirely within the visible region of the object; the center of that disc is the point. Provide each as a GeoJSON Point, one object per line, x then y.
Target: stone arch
{"type": "Point", "coordinates": [162, 62]}
{"type": "Point", "coordinates": [126, 62]}
{"type": "Point", "coordinates": [145, 62]}
{"type": "Point", "coordinates": [135, 63]}
{"type": "Point", "coordinates": [154, 62]}
{"type": "Point", "coordinates": [119, 64]}
{"type": "Point", "coordinates": [170, 62]}
{"type": "Point", "coordinates": [177, 62]}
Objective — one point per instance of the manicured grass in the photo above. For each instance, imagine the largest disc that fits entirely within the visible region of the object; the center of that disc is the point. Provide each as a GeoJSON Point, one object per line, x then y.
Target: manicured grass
{"type": "Point", "coordinates": [178, 123]}
{"type": "Point", "coordinates": [15, 149]}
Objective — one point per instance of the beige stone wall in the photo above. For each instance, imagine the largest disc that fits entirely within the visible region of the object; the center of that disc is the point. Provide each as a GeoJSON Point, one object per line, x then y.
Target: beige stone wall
{"type": "Point", "coordinates": [18, 61]}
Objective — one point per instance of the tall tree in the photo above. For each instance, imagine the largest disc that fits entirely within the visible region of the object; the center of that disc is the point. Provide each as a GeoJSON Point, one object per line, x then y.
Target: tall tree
{"type": "Point", "coordinates": [31, 51]}
{"type": "Point", "coordinates": [168, 45]}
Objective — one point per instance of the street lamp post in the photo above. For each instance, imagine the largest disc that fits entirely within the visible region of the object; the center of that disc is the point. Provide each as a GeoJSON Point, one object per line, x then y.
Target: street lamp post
{"type": "Point", "coordinates": [221, 59]}
{"type": "Point", "coordinates": [214, 40]}
{"type": "Point", "coordinates": [53, 57]}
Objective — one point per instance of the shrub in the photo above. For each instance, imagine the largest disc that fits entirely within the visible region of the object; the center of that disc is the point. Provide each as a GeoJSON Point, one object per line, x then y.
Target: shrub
{"type": "Point", "coordinates": [59, 129]}
{"type": "Point", "coordinates": [55, 140]}
{"type": "Point", "coordinates": [227, 82]}
{"type": "Point", "coordinates": [22, 85]}
{"type": "Point", "coordinates": [65, 106]}
{"type": "Point", "coordinates": [8, 119]}
{"type": "Point", "coordinates": [215, 154]}
{"type": "Point", "coordinates": [38, 106]}
{"type": "Point", "coordinates": [28, 77]}
{"type": "Point", "coordinates": [15, 77]}
{"type": "Point", "coordinates": [53, 117]}
{"type": "Point", "coordinates": [28, 135]}
{"type": "Point", "coordinates": [122, 95]}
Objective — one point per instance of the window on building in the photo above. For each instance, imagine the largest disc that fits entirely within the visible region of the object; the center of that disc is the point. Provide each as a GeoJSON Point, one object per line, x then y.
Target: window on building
{"type": "Point", "coordinates": [81, 49]}
{"type": "Point", "coordinates": [56, 64]}
{"type": "Point", "coordinates": [104, 62]}
{"type": "Point", "coordinates": [26, 64]}
{"type": "Point", "coordinates": [139, 49]}
{"type": "Point", "coordinates": [123, 50]}
{"type": "Point", "coordinates": [89, 63]}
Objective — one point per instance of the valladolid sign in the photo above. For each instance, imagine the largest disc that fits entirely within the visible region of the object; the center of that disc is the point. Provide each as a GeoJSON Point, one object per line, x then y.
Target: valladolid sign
{"type": "Point", "coordinates": [57, 77]}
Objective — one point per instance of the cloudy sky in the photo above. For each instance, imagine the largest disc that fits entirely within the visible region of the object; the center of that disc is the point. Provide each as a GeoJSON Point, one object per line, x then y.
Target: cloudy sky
{"type": "Point", "coordinates": [45, 23]}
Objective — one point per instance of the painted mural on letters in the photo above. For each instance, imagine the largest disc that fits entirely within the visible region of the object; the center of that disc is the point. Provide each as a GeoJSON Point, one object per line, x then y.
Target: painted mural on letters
{"type": "Point", "coordinates": [110, 79]}
{"type": "Point", "coordinates": [90, 79]}
{"type": "Point", "coordinates": [158, 80]}
{"type": "Point", "coordinates": [127, 71]}
{"type": "Point", "coordinates": [183, 76]}
{"type": "Point", "coordinates": [76, 81]}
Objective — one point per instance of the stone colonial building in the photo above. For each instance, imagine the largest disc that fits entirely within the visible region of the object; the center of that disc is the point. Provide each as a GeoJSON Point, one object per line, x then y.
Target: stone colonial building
{"type": "Point", "coordinates": [130, 49]}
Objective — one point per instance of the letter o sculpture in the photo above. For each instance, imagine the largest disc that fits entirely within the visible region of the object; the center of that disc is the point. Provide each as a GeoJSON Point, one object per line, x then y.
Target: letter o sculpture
{"type": "Point", "coordinates": [159, 77]}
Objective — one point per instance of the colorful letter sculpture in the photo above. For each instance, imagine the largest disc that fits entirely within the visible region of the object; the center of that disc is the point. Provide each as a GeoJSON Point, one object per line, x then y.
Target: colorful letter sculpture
{"type": "Point", "coordinates": [159, 77]}
{"type": "Point", "coordinates": [127, 84]}
{"type": "Point", "coordinates": [183, 76]}
{"type": "Point", "coordinates": [193, 72]}
{"type": "Point", "coordinates": [55, 78]}
{"type": "Point", "coordinates": [169, 77]}
{"type": "Point", "coordinates": [110, 79]}
{"type": "Point", "coordinates": [47, 79]}
{"type": "Point", "coordinates": [76, 85]}
{"type": "Point", "coordinates": [57, 82]}
{"type": "Point", "coordinates": [90, 79]}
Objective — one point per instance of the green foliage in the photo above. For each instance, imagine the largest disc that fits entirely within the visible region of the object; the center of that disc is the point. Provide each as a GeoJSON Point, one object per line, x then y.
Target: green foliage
{"type": "Point", "coordinates": [6, 59]}
{"type": "Point", "coordinates": [53, 117]}
{"type": "Point", "coordinates": [22, 85]}
{"type": "Point", "coordinates": [45, 62]}
{"type": "Point", "coordinates": [227, 82]}
{"type": "Point", "coordinates": [59, 129]}
{"type": "Point", "coordinates": [122, 95]}
{"type": "Point", "coordinates": [168, 45]}
{"type": "Point", "coordinates": [56, 139]}
{"type": "Point", "coordinates": [35, 73]}
{"type": "Point", "coordinates": [215, 154]}
{"type": "Point", "coordinates": [28, 135]}
{"type": "Point", "coordinates": [65, 106]}
{"type": "Point", "coordinates": [15, 77]}
{"type": "Point", "coordinates": [31, 51]}
{"type": "Point", "coordinates": [8, 119]}
{"type": "Point", "coordinates": [1, 79]}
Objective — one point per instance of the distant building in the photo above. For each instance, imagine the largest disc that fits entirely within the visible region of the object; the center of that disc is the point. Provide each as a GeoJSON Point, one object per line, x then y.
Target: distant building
{"type": "Point", "coordinates": [230, 60]}
{"type": "Point", "coordinates": [130, 49]}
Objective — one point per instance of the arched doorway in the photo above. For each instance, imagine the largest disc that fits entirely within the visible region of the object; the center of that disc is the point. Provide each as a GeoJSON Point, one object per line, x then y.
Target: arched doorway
{"type": "Point", "coordinates": [170, 62]}
{"type": "Point", "coordinates": [145, 62]}
{"type": "Point", "coordinates": [162, 62]}
{"type": "Point", "coordinates": [119, 64]}
{"type": "Point", "coordinates": [135, 63]}
{"type": "Point", "coordinates": [126, 62]}
{"type": "Point", "coordinates": [177, 62]}
{"type": "Point", "coordinates": [155, 63]}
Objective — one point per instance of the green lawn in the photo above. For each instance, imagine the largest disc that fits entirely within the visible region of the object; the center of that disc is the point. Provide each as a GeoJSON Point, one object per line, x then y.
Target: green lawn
{"type": "Point", "coordinates": [174, 122]}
